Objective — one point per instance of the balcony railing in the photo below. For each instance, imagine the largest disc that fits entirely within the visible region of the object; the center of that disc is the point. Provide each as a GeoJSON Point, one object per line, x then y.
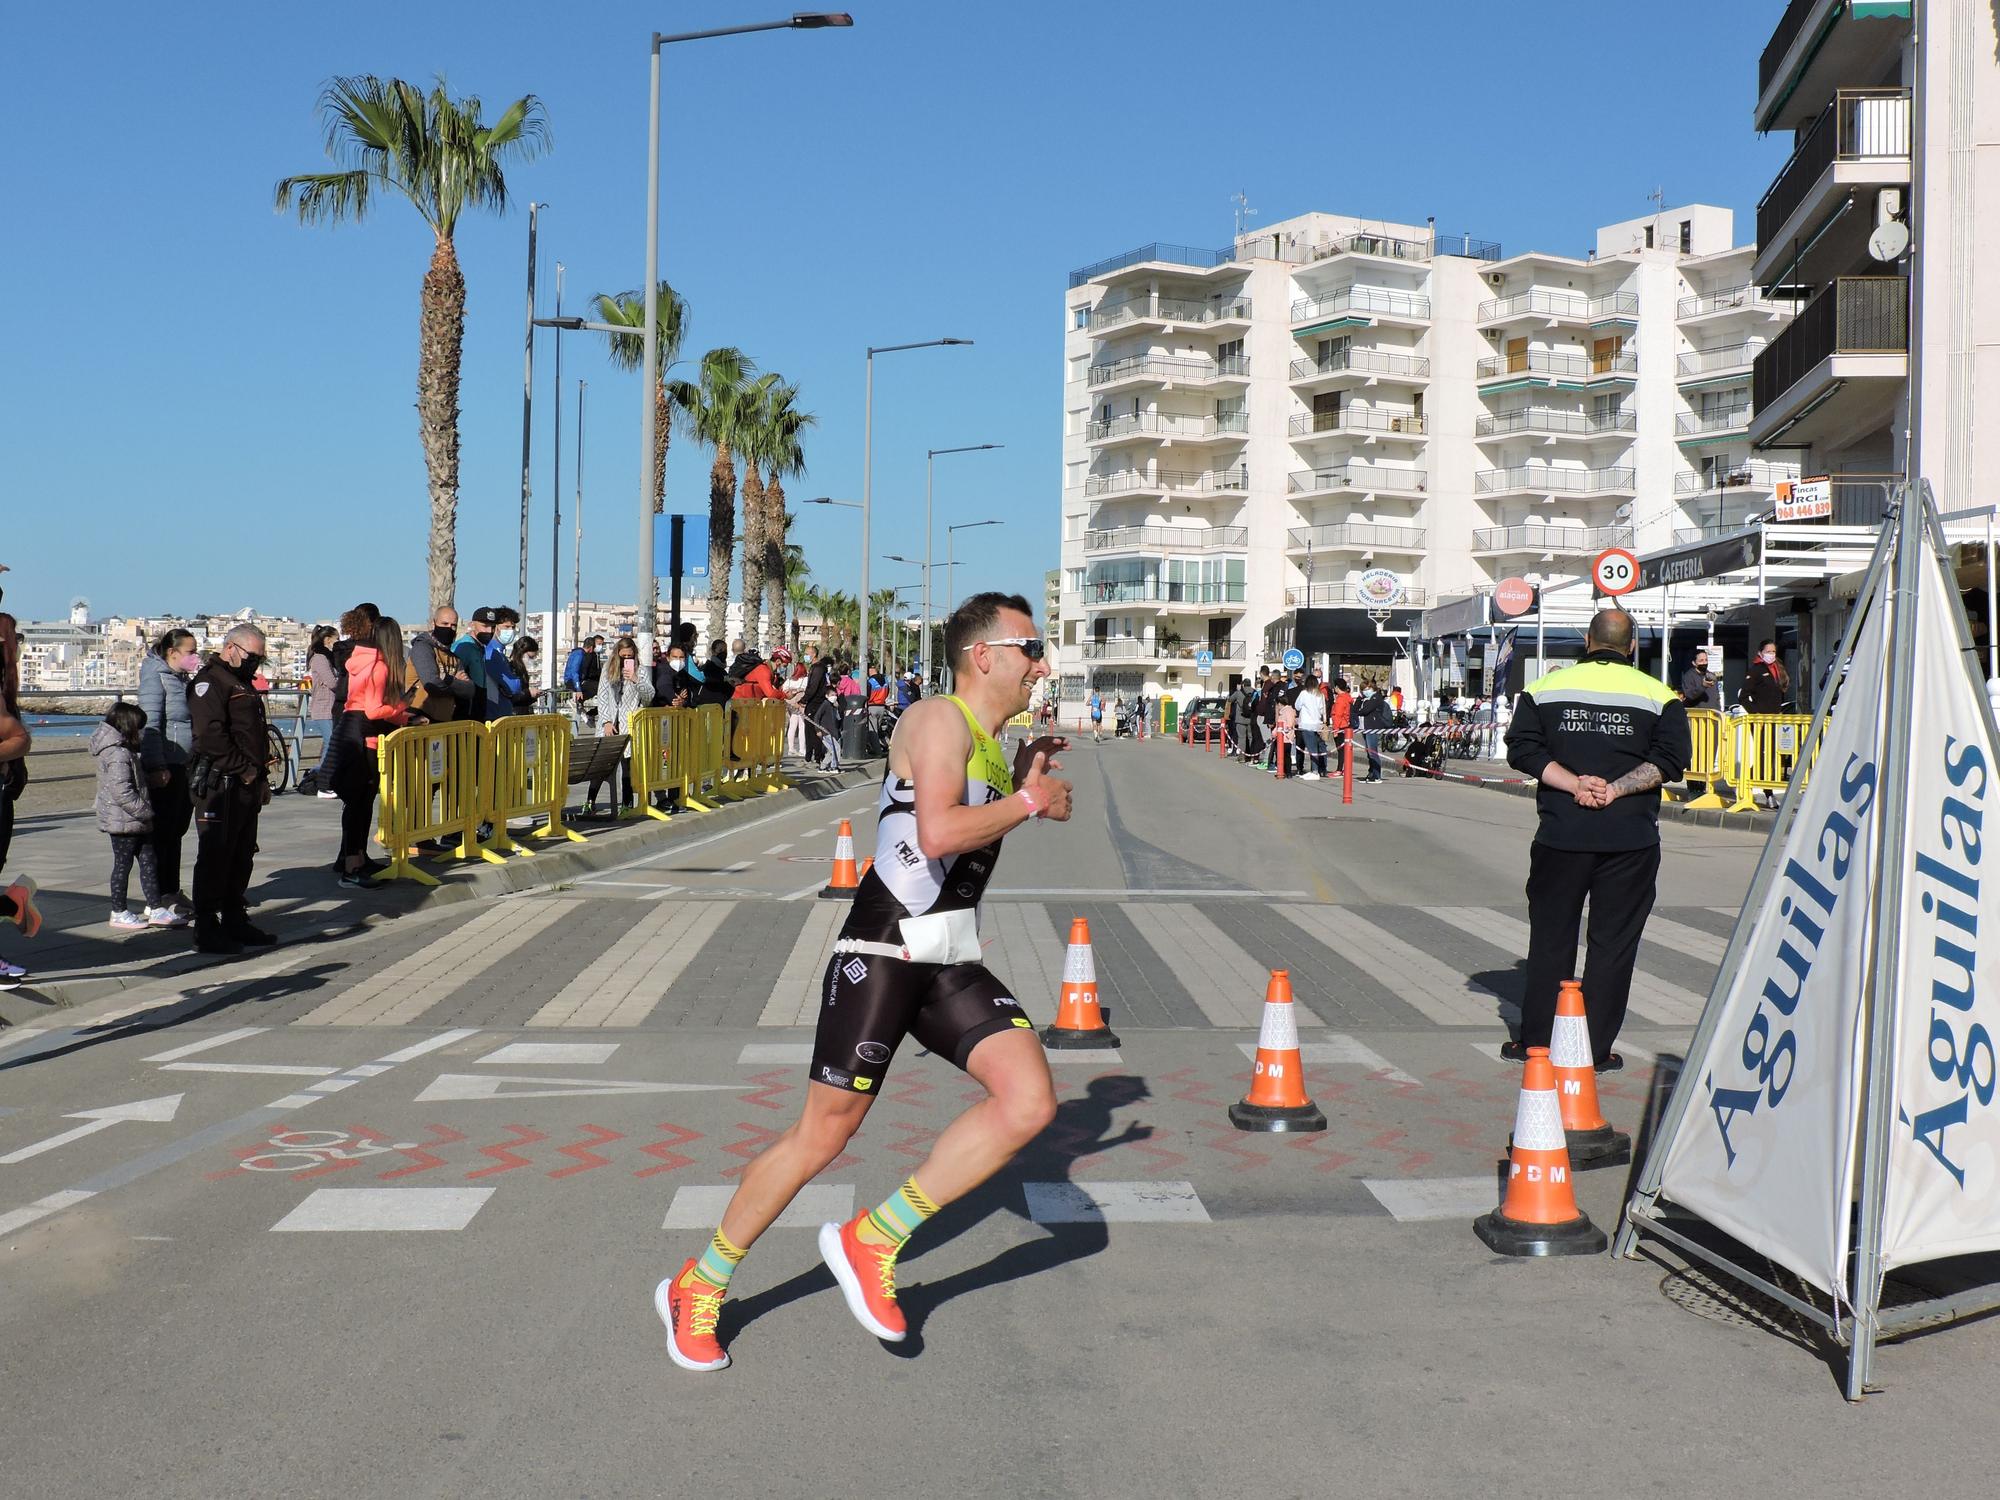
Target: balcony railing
{"type": "Point", "coordinates": [1541, 479]}
{"type": "Point", "coordinates": [1179, 255]}
{"type": "Point", "coordinates": [1707, 424]}
{"type": "Point", "coordinates": [1859, 125]}
{"type": "Point", "coordinates": [1353, 477]}
{"type": "Point", "coordinates": [1699, 362]}
{"type": "Point", "coordinates": [1337, 595]}
{"type": "Point", "coordinates": [1856, 315]}
{"type": "Point", "coordinates": [1168, 368]}
{"type": "Point", "coordinates": [1535, 303]}
{"type": "Point", "coordinates": [1170, 425]}
{"type": "Point", "coordinates": [1183, 481]}
{"type": "Point", "coordinates": [1533, 362]}
{"type": "Point", "coordinates": [1168, 539]}
{"type": "Point", "coordinates": [1789, 25]}
{"type": "Point", "coordinates": [1614, 306]}
{"type": "Point", "coordinates": [1561, 423]}
{"type": "Point", "coordinates": [1386, 246]}
{"type": "Point", "coordinates": [1160, 591]}
{"type": "Point", "coordinates": [1751, 474]}
{"type": "Point", "coordinates": [1566, 540]}
{"type": "Point", "coordinates": [1361, 299]}
{"type": "Point", "coordinates": [1161, 648]}
{"type": "Point", "coordinates": [1357, 536]}
{"type": "Point", "coordinates": [1725, 299]}
{"type": "Point", "coordinates": [1623, 362]}
{"type": "Point", "coordinates": [1364, 362]}
{"type": "Point", "coordinates": [1355, 419]}
{"type": "Point", "coordinates": [1115, 314]}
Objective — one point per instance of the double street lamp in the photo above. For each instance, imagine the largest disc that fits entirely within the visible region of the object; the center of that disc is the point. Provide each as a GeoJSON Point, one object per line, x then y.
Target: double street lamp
{"type": "Point", "coordinates": [930, 470]}
{"type": "Point", "coordinates": [648, 581]}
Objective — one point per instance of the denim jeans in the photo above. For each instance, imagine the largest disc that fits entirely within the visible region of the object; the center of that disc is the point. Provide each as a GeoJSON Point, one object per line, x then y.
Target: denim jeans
{"type": "Point", "coordinates": [324, 729]}
{"type": "Point", "coordinates": [1313, 743]}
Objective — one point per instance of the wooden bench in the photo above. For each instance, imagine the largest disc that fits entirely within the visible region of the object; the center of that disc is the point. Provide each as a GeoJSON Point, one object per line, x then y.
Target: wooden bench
{"type": "Point", "coordinates": [594, 757]}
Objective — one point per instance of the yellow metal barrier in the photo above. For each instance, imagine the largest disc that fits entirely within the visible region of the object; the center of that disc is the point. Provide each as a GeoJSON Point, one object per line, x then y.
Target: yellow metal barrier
{"type": "Point", "coordinates": [529, 755]}
{"type": "Point", "coordinates": [664, 758]}
{"type": "Point", "coordinates": [756, 744]}
{"type": "Point", "coordinates": [1713, 758]}
{"type": "Point", "coordinates": [434, 782]}
{"type": "Point", "coordinates": [711, 771]}
{"type": "Point", "coordinates": [1765, 748]}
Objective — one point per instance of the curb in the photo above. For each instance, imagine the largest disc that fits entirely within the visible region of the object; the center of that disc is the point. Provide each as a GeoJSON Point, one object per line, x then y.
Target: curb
{"type": "Point", "coordinates": [549, 867]}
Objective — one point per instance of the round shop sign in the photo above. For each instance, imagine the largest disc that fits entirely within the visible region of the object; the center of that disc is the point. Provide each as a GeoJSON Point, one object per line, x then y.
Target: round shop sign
{"type": "Point", "coordinates": [1513, 596]}
{"type": "Point", "coordinates": [1615, 572]}
{"type": "Point", "coordinates": [1378, 588]}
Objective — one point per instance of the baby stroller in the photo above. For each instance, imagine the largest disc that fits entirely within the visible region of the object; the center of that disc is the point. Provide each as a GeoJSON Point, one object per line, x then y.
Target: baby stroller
{"type": "Point", "coordinates": [1425, 751]}
{"type": "Point", "coordinates": [1131, 719]}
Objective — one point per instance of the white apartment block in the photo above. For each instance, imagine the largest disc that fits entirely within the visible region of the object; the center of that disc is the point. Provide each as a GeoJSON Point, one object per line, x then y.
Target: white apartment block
{"type": "Point", "coordinates": [1263, 444]}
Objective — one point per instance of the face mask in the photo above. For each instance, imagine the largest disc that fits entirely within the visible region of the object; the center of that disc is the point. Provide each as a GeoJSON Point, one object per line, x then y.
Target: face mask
{"type": "Point", "coordinates": [678, 663]}
{"type": "Point", "coordinates": [191, 663]}
{"type": "Point", "coordinates": [506, 635]}
{"type": "Point", "coordinates": [1767, 656]}
{"type": "Point", "coordinates": [528, 663]}
{"type": "Point", "coordinates": [445, 634]}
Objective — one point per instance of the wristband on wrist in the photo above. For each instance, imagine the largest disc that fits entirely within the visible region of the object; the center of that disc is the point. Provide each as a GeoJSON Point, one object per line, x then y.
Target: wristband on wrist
{"type": "Point", "coordinates": [1036, 806]}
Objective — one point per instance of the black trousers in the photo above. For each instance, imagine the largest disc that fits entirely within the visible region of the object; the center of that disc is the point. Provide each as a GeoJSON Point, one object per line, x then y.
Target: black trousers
{"type": "Point", "coordinates": [226, 830]}
{"type": "Point", "coordinates": [172, 809]}
{"type": "Point", "coordinates": [1620, 886]}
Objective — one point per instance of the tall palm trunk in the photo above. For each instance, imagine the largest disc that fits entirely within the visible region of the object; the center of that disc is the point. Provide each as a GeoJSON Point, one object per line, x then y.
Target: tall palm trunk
{"type": "Point", "coordinates": [774, 555]}
{"type": "Point", "coordinates": [663, 432]}
{"type": "Point", "coordinates": [753, 554]}
{"type": "Point", "coordinates": [440, 344]}
{"type": "Point", "coordinates": [721, 538]}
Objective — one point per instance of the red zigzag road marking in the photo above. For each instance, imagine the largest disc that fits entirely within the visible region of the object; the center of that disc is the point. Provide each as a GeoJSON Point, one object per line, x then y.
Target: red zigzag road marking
{"type": "Point", "coordinates": [670, 1159]}
{"type": "Point", "coordinates": [773, 1085]}
{"type": "Point", "coordinates": [584, 1157]}
{"type": "Point", "coordinates": [422, 1158]}
{"type": "Point", "coordinates": [508, 1159]}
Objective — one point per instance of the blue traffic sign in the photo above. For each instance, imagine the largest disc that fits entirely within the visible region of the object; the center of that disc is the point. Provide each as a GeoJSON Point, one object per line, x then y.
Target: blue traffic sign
{"type": "Point", "coordinates": [1295, 659]}
{"type": "Point", "coordinates": [1204, 662]}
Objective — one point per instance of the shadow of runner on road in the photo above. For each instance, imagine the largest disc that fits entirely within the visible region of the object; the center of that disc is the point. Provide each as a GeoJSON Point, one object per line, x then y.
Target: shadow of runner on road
{"type": "Point", "coordinates": [1080, 1129]}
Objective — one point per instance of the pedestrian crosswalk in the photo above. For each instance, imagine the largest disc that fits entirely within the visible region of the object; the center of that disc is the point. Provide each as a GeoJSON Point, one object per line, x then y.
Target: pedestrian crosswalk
{"type": "Point", "coordinates": [577, 962]}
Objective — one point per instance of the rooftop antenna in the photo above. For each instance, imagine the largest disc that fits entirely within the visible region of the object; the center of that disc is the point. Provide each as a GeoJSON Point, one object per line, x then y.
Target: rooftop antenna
{"type": "Point", "coordinates": [1243, 210]}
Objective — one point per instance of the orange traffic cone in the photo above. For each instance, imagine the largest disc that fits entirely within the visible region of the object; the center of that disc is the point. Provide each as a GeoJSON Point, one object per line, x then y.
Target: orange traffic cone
{"type": "Point", "coordinates": [1079, 1022]}
{"type": "Point", "coordinates": [1540, 1215]}
{"type": "Point", "coordinates": [1277, 1098]}
{"type": "Point", "coordinates": [1592, 1142]}
{"type": "Point", "coordinates": [845, 881]}
{"type": "Point", "coordinates": [867, 865]}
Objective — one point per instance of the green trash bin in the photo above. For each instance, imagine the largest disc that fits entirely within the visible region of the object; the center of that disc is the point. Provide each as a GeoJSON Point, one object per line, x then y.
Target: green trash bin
{"type": "Point", "coordinates": [1170, 713]}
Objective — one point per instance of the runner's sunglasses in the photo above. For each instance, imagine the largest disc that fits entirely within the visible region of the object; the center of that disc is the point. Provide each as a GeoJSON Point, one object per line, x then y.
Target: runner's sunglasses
{"type": "Point", "coordinates": [1032, 646]}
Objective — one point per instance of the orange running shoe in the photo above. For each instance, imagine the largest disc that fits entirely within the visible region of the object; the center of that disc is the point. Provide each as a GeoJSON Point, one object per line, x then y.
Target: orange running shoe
{"type": "Point", "coordinates": [27, 915]}
{"type": "Point", "coordinates": [867, 1277]}
{"type": "Point", "coordinates": [690, 1313]}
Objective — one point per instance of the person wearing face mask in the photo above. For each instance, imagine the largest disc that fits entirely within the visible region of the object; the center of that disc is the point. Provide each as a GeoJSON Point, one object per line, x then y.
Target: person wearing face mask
{"type": "Point", "coordinates": [673, 685]}
{"type": "Point", "coordinates": [447, 691]}
{"type": "Point", "coordinates": [624, 689]}
{"type": "Point", "coordinates": [524, 662]}
{"type": "Point", "coordinates": [503, 684]}
{"type": "Point", "coordinates": [470, 649]}
{"type": "Point", "coordinates": [1766, 689]}
{"type": "Point", "coordinates": [231, 783]}
{"type": "Point", "coordinates": [164, 748]}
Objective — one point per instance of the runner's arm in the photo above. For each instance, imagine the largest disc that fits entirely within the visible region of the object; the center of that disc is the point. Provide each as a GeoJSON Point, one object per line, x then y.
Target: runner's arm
{"type": "Point", "coordinates": [937, 743]}
{"type": "Point", "coordinates": [14, 738]}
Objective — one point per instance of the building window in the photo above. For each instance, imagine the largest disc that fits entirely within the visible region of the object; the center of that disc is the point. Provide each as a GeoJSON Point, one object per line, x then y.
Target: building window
{"type": "Point", "coordinates": [1649, 236]}
{"type": "Point", "coordinates": [1687, 236]}
{"type": "Point", "coordinates": [1080, 317]}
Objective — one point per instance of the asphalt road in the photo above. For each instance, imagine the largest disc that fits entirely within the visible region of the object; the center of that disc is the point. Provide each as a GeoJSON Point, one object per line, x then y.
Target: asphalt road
{"type": "Point", "coordinates": [384, 1215]}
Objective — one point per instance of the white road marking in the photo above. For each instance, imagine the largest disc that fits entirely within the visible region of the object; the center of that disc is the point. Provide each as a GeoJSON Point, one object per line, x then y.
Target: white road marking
{"type": "Point", "coordinates": [674, 851]}
{"type": "Point", "coordinates": [207, 1044]}
{"type": "Point", "coordinates": [153, 1110]}
{"type": "Point", "coordinates": [458, 1087]}
{"type": "Point", "coordinates": [293, 1101]}
{"type": "Point", "coordinates": [275, 1070]}
{"type": "Point", "coordinates": [739, 867]}
{"type": "Point", "coordinates": [331, 1085]}
{"type": "Point", "coordinates": [577, 1054]}
{"type": "Point", "coordinates": [41, 1208]}
{"type": "Point", "coordinates": [385, 1209]}
{"type": "Point", "coordinates": [777, 848]}
{"type": "Point", "coordinates": [817, 1203]}
{"type": "Point", "coordinates": [1631, 1049]}
{"type": "Point", "coordinates": [402, 991]}
{"type": "Point", "coordinates": [638, 885]}
{"type": "Point", "coordinates": [1654, 999]}
{"type": "Point", "coordinates": [1059, 1055]}
{"type": "Point", "coordinates": [1414, 1200]}
{"type": "Point", "coordinates": [622, 985]}
{"type": "Point", "coordinates": [1339, 1048]}
{"type": "Point", "coordinates": [794, 999]}
{"type": "Point", "coordinates": [1227, 983]}
{"type": "Point", "coordinates": [1439, 993]}
{"type": "Point", "coordinates": [1114, 1203]}
{"type": "Point", "coordinates": [19, 1034]}
{"type": "Point", "coordinates": [1030, 956]}
{"type": "Point", "coordinates": [416, 1050]}
{"type": "Point", "coordinates": [1696, 942]}
{"type": "Point", "coordinates": [803, 891]}
{"type": "Point", "coordinates": [767, 1053]}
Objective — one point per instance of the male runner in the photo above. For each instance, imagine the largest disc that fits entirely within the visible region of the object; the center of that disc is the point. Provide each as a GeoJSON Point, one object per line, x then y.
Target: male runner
{"type": "Point", "coordinates": [907, 963]}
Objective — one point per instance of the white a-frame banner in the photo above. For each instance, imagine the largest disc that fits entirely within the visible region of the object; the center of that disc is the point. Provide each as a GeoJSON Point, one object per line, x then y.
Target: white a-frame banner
{"type": "Point", "coordinates": [1944, 1136]}
{"type": "Point", "coordinates": [1766, 1151]}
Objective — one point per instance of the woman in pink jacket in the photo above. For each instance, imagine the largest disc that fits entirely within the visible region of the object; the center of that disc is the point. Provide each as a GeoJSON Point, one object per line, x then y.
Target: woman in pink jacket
{"type": "Point", "coordinates": [376, 703]}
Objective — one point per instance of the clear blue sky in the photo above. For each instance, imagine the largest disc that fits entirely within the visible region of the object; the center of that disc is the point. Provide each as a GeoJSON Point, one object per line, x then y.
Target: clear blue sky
{"type": "Point", "coordinates": [205, 405]}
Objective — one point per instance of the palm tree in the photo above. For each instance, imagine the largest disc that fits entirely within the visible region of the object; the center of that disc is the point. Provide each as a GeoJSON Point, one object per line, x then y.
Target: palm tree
{"type": "Point", "coordinates": [438, 152]}
{"type": "Point", "coordinates": [784, 457]}
{"type": "Point", "coordinates": [880, 603]}
{"type": "Point", "coordinates": [754, 441]}
{"type": "Point", "coordinates": [715, 408]}
{"type": "Point", "coordinates": [628, 352]}
{"type": "Point", "coordinates": [801, 596]}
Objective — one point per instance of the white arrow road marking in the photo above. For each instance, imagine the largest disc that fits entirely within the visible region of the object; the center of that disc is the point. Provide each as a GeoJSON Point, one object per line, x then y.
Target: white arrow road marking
{"type": "Point", "coordinates": [152, 1110]}
{"type": "Point", "coordinates": [454, 1087]}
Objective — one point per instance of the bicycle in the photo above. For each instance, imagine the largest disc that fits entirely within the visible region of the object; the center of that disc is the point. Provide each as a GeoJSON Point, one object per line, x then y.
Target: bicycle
{"type": "Point", "coordinates": [279, 759]}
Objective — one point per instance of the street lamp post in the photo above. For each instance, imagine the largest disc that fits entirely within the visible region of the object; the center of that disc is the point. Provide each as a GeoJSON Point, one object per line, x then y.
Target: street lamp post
{"type": "Point", "coordinates": [930, 469]}
{"type": "Point", "coordinates": [528, 403]}
{"type": "Point", "coordinates": [924, 646]}
{"type": "Point", "coordinates": [951, 583]}
{"type": "Point", "coordinates": [648, 580]}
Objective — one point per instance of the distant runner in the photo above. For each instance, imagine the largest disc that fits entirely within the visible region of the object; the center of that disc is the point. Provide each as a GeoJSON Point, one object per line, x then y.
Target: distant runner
{"type": "Point", "coordinates": [907, 963]}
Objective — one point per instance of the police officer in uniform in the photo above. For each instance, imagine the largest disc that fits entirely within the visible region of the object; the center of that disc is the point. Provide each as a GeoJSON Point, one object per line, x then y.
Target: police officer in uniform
{"type": "Point", "coordinates": [230, 747]}
{"type": "Point", "coordinates": [1600, 737]}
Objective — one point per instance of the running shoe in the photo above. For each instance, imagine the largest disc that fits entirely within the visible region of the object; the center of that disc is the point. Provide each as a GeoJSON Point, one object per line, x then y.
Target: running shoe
{"type": "Point", "coordinates": [27, 915]}
{"type": "Point", "coordinates": [11, 975]}
{"type": "Point", "coordinates": [128, 921]}
{"type": "Point", "coordinates": [867, 1277]}
{"type": "Point", "coordinates": [690, 1313]}
{"type": "Point", "coordinates": [329, 796]}
{"type": "Point", "coordinates": [166, 916]}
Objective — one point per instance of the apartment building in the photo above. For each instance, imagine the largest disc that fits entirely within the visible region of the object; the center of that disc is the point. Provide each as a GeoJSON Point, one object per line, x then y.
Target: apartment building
{"type": "Point", "coordinates": [1317, 432]}
{"type": "Point", "coordinates": [1874, 224]}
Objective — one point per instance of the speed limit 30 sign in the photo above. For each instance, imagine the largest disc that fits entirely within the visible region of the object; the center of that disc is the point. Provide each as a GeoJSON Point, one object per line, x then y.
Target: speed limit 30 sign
{"type": "Point", "coordinates": [1615, 572]}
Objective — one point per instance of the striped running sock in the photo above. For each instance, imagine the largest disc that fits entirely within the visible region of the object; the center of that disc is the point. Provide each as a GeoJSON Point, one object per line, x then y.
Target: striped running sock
{"type": "Point", "coordinates": [898, 1217]}
{"type": "Point", "coordinates": [718, 1262]}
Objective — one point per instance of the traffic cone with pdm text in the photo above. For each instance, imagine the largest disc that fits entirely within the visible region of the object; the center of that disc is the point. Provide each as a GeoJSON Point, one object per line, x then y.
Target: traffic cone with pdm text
{"type": "Point", "coordinates": [1079, 1022]}
{"type": "Point", "coordinates": [1277, 1098]}
{"type": "Point", "coordinates": [1539, 1215]}
{"type": "Point", "coordinates": [844, 882]}
{"type": "Point", "coordinates": [1589, 1136]}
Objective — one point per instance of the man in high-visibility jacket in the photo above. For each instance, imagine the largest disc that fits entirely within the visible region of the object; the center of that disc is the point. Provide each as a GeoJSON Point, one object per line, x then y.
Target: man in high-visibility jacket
{"type": "Point", "coordinates": [1600, 737]}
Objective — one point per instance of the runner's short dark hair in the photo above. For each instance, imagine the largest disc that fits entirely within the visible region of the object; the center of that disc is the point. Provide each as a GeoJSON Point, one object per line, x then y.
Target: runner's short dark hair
{"type": "Point", "coordinates": [973, 620]}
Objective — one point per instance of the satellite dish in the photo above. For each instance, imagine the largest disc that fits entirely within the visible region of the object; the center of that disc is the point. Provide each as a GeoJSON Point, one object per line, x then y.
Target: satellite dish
{"type": "Point", "coordinates": [1890, 239]}
{"type": "Point", "coordinates": [1624, 512]}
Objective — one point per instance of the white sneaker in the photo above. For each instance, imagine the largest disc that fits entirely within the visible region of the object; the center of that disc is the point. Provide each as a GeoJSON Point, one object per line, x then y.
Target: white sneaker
{"type": "Point", "coordinates": [166, 916]}
{"type": "Point", "coordinates": [128, 921]}
{"type": "Point", "coordinates": [329, 796]}
{"type": "Point", "coordinates": [1311, 776]}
